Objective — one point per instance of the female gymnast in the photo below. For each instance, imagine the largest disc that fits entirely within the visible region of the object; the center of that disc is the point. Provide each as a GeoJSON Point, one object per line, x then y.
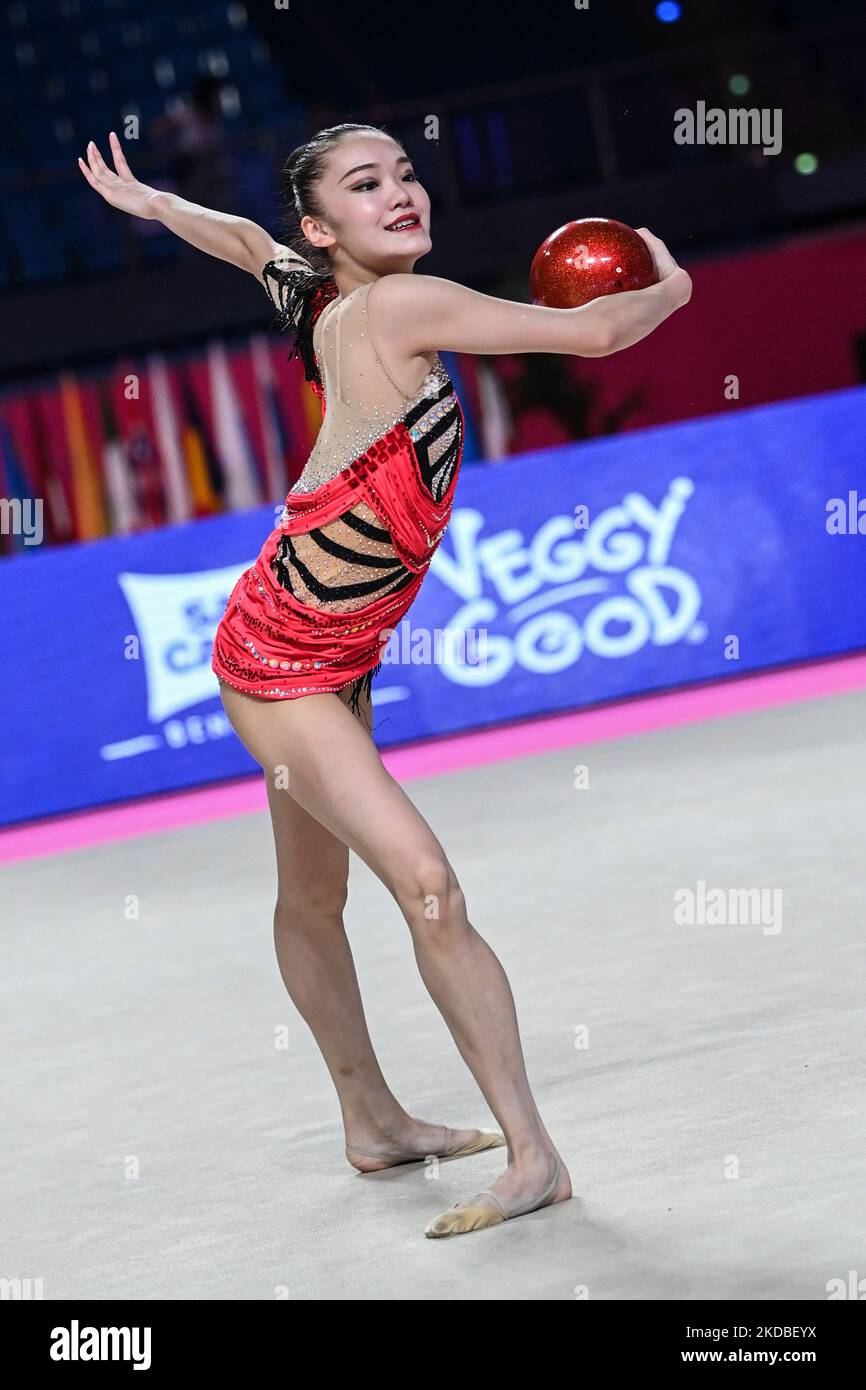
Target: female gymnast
{"type": "Point", "coordinates": [336, 575]}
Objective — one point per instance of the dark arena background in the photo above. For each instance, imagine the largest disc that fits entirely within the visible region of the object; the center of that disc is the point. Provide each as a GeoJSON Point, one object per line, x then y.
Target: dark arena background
{"type": "Point", "coordinates": [653, 785]}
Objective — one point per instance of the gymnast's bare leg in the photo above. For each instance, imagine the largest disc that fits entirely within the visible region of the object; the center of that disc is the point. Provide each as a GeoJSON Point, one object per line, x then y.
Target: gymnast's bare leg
{"type": "Point", "coordinates": [339, 797]}
{"type": "Point", "coordinates": [315, 961]}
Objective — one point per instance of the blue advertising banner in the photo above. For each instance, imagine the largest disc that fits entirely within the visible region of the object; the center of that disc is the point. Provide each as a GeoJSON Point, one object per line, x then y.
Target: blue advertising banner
{"type": "Point", "coordinates": [567, 577]}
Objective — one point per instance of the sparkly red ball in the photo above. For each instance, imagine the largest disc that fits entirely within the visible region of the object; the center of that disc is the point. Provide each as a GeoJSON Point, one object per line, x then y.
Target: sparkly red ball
{"type": "Point", "coordinates": [588, 258]}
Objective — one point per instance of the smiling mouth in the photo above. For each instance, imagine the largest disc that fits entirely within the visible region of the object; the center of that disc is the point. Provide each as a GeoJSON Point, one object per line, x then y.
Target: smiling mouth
{"type": "Point", "coordinates": [404, 224]}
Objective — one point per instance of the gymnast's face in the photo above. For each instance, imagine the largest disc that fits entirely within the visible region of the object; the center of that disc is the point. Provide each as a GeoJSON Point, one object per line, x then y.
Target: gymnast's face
{"type": "Point", "coordinates": [369, 185]}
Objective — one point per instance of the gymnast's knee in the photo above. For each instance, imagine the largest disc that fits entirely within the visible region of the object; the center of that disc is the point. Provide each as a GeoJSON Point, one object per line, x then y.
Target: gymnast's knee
{"type": "Point", "coordinates": [310, 907]}
{"type": "Point", "coordinates": [430, 896]}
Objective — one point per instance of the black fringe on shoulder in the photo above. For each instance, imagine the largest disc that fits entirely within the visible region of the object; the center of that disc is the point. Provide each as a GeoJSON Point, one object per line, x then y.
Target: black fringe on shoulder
{"type": "Point", "coordinates": [300, 296]}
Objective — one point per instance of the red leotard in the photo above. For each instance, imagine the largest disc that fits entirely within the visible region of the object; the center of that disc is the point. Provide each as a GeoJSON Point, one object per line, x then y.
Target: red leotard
{"type": "Point", "coordinates": [361, 524]}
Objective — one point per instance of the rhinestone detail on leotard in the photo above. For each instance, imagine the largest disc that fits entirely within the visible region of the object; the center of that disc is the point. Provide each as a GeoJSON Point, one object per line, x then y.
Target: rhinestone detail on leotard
{"type": "Point", "coordinates": [367, 426]}
{"type": "Point", "coordinates": [369, 550]}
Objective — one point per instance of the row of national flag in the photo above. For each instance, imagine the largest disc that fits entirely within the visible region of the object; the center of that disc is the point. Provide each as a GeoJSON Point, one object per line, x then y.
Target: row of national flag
{"type": "Point", "coordinates": [158, 441]}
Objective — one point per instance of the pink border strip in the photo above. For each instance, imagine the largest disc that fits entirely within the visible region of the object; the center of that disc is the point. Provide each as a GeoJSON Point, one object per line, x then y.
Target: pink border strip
{"type": "Point", "coordinates": [739, 695]}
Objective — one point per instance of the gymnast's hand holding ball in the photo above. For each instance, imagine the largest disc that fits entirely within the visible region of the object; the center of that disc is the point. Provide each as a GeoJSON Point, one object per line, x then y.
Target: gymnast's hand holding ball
{"type": "Point", "coordinates": [593, 257]}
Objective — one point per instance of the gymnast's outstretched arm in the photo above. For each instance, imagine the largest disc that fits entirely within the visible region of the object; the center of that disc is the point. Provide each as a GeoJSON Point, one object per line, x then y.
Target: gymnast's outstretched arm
{"type": "Point", "coordinates": [235, 239]}
{"type": "Point", "coordinates": [424, 313]}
